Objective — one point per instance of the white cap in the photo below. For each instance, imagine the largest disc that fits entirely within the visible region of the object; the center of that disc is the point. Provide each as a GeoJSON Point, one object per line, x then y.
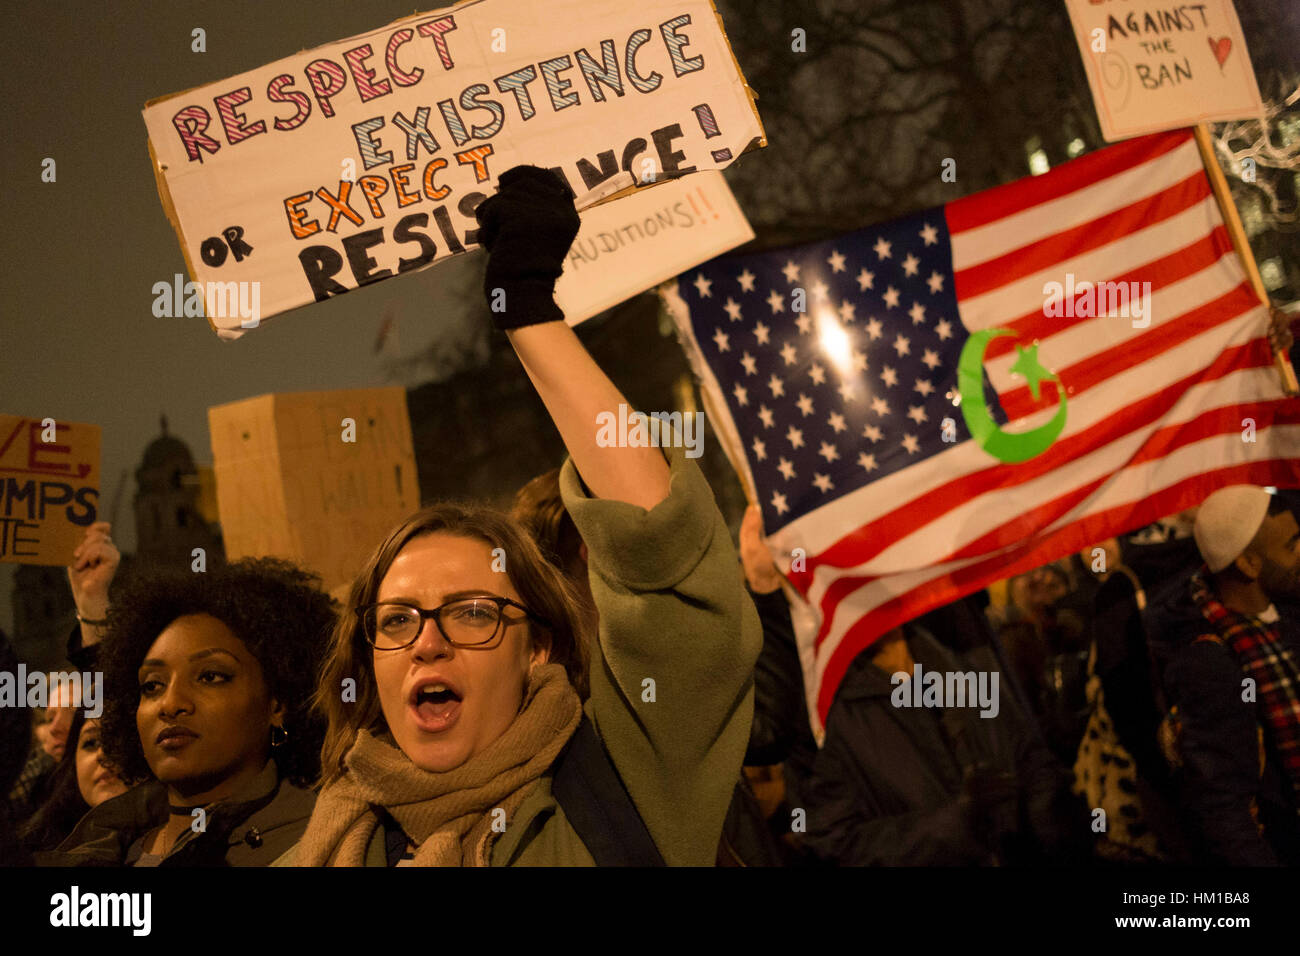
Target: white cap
{"type": "Point", "coordinates": [1228, 521]}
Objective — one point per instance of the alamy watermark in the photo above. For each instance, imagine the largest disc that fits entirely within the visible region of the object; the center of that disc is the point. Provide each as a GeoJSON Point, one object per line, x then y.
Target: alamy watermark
{"type": "Point", "coordinates": [211, 299]}
{"type": "Point", "coordinates": [1098, 299]}
{"type": "Point", "coordinates": [628, 429]}
{"type": "Point", "coordinates": [76, 909]}
{"type": "Point", "coordinates": [924, 688]}
{"type": "Point", "coordinates": [37, 689]}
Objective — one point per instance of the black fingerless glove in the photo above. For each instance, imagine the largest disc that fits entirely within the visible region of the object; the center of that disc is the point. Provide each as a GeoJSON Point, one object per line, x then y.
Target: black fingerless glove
{"type": "Point", "coordinates": [527, 228]}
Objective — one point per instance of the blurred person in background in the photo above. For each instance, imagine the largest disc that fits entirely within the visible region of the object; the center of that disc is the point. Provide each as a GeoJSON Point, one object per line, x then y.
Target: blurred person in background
{"type": "Point", "coordinates": [82, 781]}
{"type": "Point", "coordinates": [782, 748]}
{"type": "Point", "coordinates": [1043, 629]}
{"type": "Point", "coordinates": [1227, 647]}
{"type": "Point", "coordinates": [15, 743]}
{"type": "Point", "coordinates": [95, 561]}
{"type": "Point", "coordinates": [939, 785]}
{"type": "Point", "coordinates": [49, 739]}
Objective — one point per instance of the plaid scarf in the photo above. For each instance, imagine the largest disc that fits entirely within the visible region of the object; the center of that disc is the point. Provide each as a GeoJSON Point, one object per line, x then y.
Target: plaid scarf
{"type": "Point", "coordinates": [1270, 664]}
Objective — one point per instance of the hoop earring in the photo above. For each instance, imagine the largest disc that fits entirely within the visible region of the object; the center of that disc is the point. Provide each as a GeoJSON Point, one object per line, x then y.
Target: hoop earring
{"type": "Point", "coordinates": [278, 741]}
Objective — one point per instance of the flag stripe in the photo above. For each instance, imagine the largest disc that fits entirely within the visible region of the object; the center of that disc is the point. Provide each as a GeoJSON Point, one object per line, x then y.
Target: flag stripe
{"type": "Point", "coordinates": [1006, 515]}
{"type": "Point", "coordinates": [974, 246]}
{"type": "Point", "coordinates": [1034, 292]}
{"type": "Point", "coordinates": [1124, 484]}
{"type": "Point", "coordinates": [1097, 369]}
{"type": "Point", "coordinates": [1204, 253]}
{"type": "Point", "coordinates": [1102, 231]}
{"type": "Point", "coordinates": [876, 534]}
{"type": "Point", "coordinates": [1011, 198]}
{"type": "Point", "coordinates": [1073, 537]}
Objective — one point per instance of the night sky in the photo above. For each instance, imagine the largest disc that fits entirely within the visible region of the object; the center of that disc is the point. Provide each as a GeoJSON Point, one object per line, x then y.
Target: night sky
{"type": "Point", "coordinates": [78, 339]}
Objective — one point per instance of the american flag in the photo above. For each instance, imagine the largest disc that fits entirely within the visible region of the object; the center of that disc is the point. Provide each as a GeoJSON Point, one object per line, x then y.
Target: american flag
{"type": "Point", "coordinates": [847, 422]}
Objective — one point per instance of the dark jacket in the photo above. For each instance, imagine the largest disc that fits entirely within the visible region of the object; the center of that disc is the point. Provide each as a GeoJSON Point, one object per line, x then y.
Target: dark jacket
{"type": "Point", "coordinates": [746, 839]}
{"type": "Point", "coordinates": [1220, 777]}
{"type": "Point", "coordinates": [252, 829]}
{"type": "Point", "coordinates": [887, 786]}
{"type": "Point", "coordinates": [781, 732]}
{"type": "Point", "coordinates": [80, 656]}
{"type": "Point", "coordinates": [15, 743]}
{"type": "Point", "coordinates": [1123, 657]}
{"type": "Point", "coordinates": [780, 708]}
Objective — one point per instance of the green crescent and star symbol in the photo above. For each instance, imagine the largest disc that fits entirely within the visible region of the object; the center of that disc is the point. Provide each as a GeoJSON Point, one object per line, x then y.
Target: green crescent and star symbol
{"type": "Point", "coordinates": [1005, 446]}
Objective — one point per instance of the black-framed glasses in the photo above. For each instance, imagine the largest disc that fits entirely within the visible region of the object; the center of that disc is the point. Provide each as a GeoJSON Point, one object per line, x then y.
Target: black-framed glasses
{"type": "Point", "coordinates": [466, 622]}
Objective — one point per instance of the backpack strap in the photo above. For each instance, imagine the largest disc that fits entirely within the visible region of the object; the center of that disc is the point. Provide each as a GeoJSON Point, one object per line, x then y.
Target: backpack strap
{"type": "Point", "coordinates": [587, 785]}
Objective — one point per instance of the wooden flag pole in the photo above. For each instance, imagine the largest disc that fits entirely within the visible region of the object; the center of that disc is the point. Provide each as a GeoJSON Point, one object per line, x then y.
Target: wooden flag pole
{"type": "Point", "coordinates": [1219, 183]}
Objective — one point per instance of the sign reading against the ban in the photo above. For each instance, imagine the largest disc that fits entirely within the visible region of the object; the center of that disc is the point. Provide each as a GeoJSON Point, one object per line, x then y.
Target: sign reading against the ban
{"type": "Point", "coordinates": [366, 158]}
{"type": "Point", "coordinates": [49, 488]}
{"type": "Point", "coordinates": [1156, 65]}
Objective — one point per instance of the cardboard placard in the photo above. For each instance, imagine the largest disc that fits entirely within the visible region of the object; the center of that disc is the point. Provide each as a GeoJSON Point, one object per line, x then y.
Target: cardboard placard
{"type": "Point", "coordinates": [49, 488]}
{"type": "Point", "coordinates": [365, 158]}
{"type": "Point", "coordinates": [1156, 66]}
{"type": "Point", "coordinates": [627, 247]}
{"type": "Point", "coordinates": [291, 484]}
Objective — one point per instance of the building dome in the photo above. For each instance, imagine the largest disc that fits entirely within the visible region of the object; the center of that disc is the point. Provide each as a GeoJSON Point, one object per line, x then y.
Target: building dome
{"type": "Point", "coordinates": [169, 522]}
{"type": "Point", "coordinates": [167, 451]}
{"type": "Point", "coordinates": [165, 455]}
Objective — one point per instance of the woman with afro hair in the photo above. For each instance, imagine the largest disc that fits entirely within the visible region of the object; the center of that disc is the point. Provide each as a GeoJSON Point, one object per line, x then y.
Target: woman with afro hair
{"type": "Point", "coordinates": [207, 700]}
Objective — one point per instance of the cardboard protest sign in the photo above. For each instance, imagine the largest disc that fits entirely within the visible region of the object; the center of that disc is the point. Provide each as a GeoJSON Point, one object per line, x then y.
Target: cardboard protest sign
{"type": "Point", "coordinates": [365, 158]}
{"type": "Point", "coordinates": [629, 246]}
{"type": "Point", "coordinates": [1156, 66]}
{"type": "Point", "coordinates": [315, 477]}
{"type": "Point", "coordinates": [49, 488]}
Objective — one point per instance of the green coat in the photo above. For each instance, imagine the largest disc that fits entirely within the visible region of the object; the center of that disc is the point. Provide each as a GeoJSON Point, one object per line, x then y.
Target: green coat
{"type": "Point", "coordinates": [671, 678]}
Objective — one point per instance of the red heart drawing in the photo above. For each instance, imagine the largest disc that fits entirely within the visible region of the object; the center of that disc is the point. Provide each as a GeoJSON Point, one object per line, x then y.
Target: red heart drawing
{"type": "Point", "coordinates": [1220, 48]}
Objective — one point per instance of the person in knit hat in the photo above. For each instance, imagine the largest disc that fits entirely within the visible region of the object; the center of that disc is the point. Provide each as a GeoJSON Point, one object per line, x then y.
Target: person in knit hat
{"type": "Point", "coordinates": [1229, 647]}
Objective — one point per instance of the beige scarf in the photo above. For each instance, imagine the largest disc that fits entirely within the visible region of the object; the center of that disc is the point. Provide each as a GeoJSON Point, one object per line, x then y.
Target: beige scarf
{"type": "Point", "coordinates": [448, 814]}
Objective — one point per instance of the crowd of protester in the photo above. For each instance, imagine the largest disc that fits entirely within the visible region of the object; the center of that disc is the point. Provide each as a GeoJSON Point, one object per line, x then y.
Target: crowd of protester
{"type": "Point", "coordinates": [602, 677]}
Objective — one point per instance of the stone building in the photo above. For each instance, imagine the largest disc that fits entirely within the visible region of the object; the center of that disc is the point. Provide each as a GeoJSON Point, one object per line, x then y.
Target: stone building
{"type": "Point", "coordinates": [172, 515]}
{"type": "Point", "coordinates": [43, 615]}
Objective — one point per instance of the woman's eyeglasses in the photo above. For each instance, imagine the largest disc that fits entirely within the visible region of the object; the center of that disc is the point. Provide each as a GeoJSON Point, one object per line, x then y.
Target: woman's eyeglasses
{"type": "Point", "coordinates": [468, 622]}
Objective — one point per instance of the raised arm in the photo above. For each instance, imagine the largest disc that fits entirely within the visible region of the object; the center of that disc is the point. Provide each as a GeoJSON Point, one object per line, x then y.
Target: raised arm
{"type": "Point", "coordinates": [672, 665]}
{"type": "Point", "coordinates": [93, 565]}
{"type": "Point", "coordinates": [528, 227]}
{"type": "Point", "coordinates": [575, 391]}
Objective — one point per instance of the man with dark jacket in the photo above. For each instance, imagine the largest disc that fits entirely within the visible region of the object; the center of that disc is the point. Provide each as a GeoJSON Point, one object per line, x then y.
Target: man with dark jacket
{"type": "Point", "coordinates": [937, 785]}
{"type": "Point", "coordinates": [1228, 647]}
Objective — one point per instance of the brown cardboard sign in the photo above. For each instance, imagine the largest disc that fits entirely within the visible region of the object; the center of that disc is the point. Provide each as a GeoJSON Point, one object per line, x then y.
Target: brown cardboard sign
{"type": "Point", "coordinates": [363, 159]}
{"type": "Point", "coordinates": [314, 477]}
{"type": "Point", "coordinates": [49, 488]}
